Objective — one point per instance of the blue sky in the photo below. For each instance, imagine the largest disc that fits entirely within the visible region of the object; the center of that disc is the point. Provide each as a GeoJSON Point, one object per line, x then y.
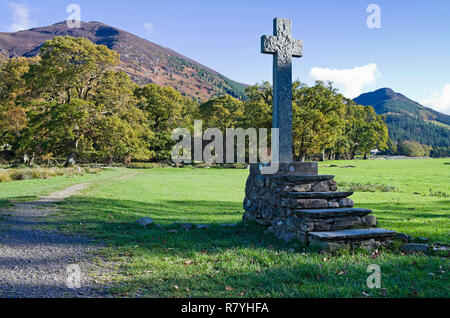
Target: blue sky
{"type": "Point", "coordinates": [409, 53]}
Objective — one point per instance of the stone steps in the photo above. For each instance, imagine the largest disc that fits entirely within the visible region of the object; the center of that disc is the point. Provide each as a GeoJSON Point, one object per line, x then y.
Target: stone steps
{"type": "Point", "coordinates": [316, 195]}
{"type": "Point", "coordinates": [352, 235]}
{"type": "Point", "coordinates": [297, 203]}
{"type": "Point", "coordinates": [302, 179]}
{"type": "Point", "coordinates": [330, 213]}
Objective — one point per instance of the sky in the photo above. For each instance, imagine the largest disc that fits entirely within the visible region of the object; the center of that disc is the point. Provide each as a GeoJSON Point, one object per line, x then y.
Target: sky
{"type": "Point", "coordinates": [399, 44]}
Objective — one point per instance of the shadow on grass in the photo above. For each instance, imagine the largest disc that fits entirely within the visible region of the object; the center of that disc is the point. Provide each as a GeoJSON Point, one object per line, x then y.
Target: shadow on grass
{"type": "Point", "coordinates": [114, 221]}
{"type": "Point", "coordinates": [296, 278]}
{"type": "Point", "coordinates": [21, 199]}
{"type": "Point", "coordinates": [4, 204]}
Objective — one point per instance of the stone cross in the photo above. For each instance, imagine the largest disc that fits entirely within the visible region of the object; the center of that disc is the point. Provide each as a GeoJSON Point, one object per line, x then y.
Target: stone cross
{"type": "Point", "coordinates": [283, 47]}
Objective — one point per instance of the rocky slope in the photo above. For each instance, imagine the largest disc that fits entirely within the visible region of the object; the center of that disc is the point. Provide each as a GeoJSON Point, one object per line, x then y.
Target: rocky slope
{"type": "Point", "coordinates": [144, 61]}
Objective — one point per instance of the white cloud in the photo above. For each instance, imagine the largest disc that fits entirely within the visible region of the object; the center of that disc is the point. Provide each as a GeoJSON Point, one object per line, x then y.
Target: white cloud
{"type": "Point", "coordinates": [149, 27]}
{"type": "Point", "coordinates": [439, 100]}
{"type": "Point", "coordinates": [351, 81]}
{"type": "Point", "coordinates": [21, 17]}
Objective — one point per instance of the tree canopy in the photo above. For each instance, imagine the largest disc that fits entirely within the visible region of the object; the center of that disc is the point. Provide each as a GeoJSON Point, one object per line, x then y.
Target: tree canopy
{"type": "Point", "coordinates": [323, 121]}
{"type": "Point", "coordinates": [165, 109]}
{"type": "Point", "coordinates": [12, 91]}
{"type": "Point", "coordinates": [72, 102]}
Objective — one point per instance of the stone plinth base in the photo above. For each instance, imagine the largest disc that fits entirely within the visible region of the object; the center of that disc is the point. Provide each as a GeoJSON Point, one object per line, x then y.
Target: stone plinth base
{"type": "Point", "coordinates": [293, 168]}
{"type": "Point", "coordinates": [297, 203]}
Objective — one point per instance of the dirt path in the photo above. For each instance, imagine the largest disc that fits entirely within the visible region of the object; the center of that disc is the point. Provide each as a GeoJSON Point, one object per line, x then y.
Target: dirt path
{"type": "Point", "coordinates": [127, 176]}
{"type": "Point", "coordinates": [34, 262]}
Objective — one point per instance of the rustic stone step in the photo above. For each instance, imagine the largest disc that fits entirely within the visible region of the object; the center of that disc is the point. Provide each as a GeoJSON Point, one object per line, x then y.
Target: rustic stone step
{"type": "Point", "coordinates": [301, 179]}
{"type": "Point", "coordinates": [292, 168]}
{"type": "Point", "coordinates": [317, 195]}
{"type": "Point", "coordinates": [356, 234]}
{"type": "Point", "coordinates": [329, 213]}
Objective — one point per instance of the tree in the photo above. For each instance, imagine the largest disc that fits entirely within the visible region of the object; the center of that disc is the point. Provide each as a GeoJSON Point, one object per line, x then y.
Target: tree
{"type": "Point", "coordinates": [318, 118]}
{"type": "Point", "coordinates": [70, 68]}
{"type": "Point", "coordinates": [109, 127]}
{"type": "Point", "coordinates": [12, 91]}
{"type": "Point", "coordinates": [222, 113]}
{"type": "Point", "coordinates": [165, 110]}
{"type": "Point", "coordinates": [58, 129]}
{"type": "Point", "coordinates": [440, 152]}
{"type": "Point", "coordinates": [323, 121]}
{"type": "Point", "coordinates": [412, 149]}
{"type": "Point", "coordinates": [408, 127]}
{"type": "Point", "coordinates": [80, 107]}
{"type": "Point", "coordinates": [257, 112]}
{"type": "Point", "coordinates": [392, 147]}
{"type": "Point", "coordinates": [365, 130]}
{"type": "Point", "coordinates": [122, 130]}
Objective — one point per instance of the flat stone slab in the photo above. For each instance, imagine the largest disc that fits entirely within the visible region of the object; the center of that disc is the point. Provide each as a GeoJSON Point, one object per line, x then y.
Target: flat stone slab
{"type": "Point", "coordinates": [186, 226]}
{"type": "Point", "coordinates": [329, 213]}
{"type": "Point", "coordinates": [203, 226]}
{"type": "Point", "coordinates": [302, 178]}
{"type": "Point", "coordinates": [317, 195]}
{"type": "Point", "coordinates": [413, 247]}
{"type": "Point", "coordinates": [145, 221]}
{"type": "Point", "coordinates": [356, 234]}
{"type": "Point", "coordinates": [292, 168]}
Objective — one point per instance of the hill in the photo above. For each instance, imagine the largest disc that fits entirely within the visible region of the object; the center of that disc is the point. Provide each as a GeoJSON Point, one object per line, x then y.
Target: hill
{"type": "Point", "coordinates": [144, 61]}
{"type": "Point", "coordinates": [407, 119]}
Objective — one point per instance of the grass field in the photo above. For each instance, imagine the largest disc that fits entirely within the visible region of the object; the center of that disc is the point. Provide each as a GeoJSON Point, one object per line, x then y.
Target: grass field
{"type": "Point", "coordinates": [242, 261]}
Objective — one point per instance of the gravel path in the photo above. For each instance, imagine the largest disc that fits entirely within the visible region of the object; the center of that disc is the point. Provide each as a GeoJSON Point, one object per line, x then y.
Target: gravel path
{"type": "Point", "coordinates": [34, 262]}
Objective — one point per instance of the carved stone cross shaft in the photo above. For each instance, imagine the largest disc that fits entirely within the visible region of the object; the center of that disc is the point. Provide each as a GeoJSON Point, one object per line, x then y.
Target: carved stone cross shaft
{"type": "Point", "coordinates": [283, 47]}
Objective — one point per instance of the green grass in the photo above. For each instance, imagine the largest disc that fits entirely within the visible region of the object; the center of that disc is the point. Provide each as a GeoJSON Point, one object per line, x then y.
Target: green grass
{"type": "Point", "coordinates": [26, 190]}
{"type": "Point", "coordinates": [242, 261]}
{"type": "Point", "coordinates": [366, 187]}
{"type": "Point", "coordinates": [411, 209]}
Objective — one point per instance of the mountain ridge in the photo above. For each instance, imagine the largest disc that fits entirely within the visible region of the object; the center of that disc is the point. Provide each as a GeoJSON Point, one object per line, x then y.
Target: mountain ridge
{"type": "Point", "coordinates": [382, 99]}
{"type": "Point", "coordinates": [145, 61]}
{"type": "Point", "coordinates": [408, 119]}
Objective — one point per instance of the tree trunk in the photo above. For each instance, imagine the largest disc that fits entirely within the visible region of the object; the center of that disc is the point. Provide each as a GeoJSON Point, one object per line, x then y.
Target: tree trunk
{"type": "Point", "coordinates": [322, 155]}
{"type": "Point", "coordinates": [26, 159]}
{"type": "Point", "coordinates": [365, 156]}
{"type": "Point", "coordinates": [354, 154]}
{"type": "Point", "coordinates": [32, 159]}
{"type": "Point", "coordinates": [70, 161]}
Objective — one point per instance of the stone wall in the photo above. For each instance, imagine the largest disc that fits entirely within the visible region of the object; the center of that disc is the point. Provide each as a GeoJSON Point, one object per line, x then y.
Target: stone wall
{"type": "Point", "coordinates": [297, 201]}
